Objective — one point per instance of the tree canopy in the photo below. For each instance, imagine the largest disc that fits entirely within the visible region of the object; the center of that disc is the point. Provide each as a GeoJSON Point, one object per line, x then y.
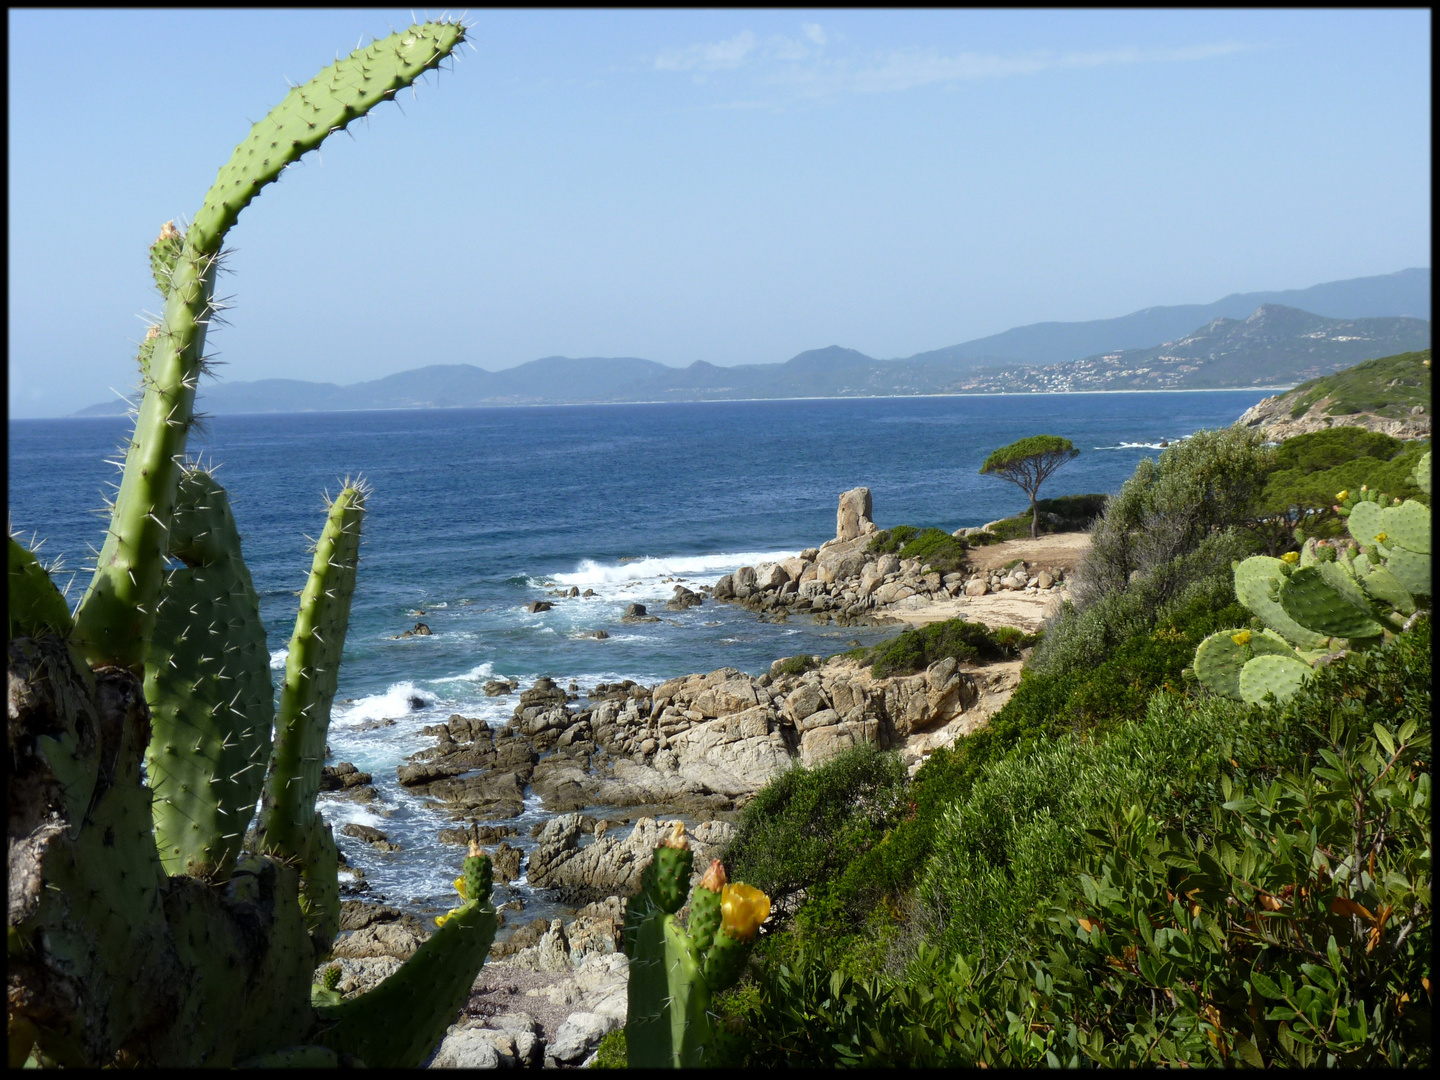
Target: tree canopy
{"type": "Point", "coordinates": [1027, 463]}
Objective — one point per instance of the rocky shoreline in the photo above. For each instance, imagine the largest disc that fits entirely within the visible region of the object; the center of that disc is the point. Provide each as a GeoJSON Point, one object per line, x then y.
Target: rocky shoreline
{"type": "Point", "coordinates": [696, 748]}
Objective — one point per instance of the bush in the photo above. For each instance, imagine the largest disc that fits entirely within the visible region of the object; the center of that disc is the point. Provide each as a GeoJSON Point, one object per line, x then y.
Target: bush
{"type": "Point", "coordinates": [937, 547]}
{"type": "Point", "coordinates": [1203, 485]}
{"type": "Point", "coordinates": [915, 650]}
{"type": "Point", "coordinates": [612, 1052]}
{"type": "Point", "coordinates": [1066, 513]}
{"type": "Point", "coordinates": [1313, 468]}
{"type": "Point", "coordinates": [1230, 885]}
{"type": "Point", "coordinates": [807, 825]}
{"type": "Point", "coordinates": [794, 665]}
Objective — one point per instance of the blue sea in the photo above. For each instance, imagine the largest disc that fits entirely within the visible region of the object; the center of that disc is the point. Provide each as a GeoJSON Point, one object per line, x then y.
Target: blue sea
{"type": "Point", "coordinates": [477, 512]}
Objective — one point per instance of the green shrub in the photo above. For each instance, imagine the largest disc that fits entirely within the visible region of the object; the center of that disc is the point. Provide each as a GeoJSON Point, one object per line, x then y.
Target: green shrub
{"type": "Point", "coordinates": [611, 1053]}
{"type": "Point", "coordinates": [794, 665]}
{"type": "Point", "coordinates": [1066, 513]}
{"type": "Point", "coordinates": [937, 547]}
{"type": "Point", "coordinates": [1237, 885]}
{"type": "Point", "coordinates": [1314, 468]}
{"type": "Point", "coordinates": [915, 650]}
{"type": "Point", "coordinates": [1200, 486]}
{"type": "Point", "coordinates": [806, 825]}
{"type": "Point", "coordinates": [890, 541]}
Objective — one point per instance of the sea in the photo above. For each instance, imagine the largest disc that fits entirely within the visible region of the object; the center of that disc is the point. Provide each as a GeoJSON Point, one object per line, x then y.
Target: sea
{"type": "Point", "coordinates": [475, 513]}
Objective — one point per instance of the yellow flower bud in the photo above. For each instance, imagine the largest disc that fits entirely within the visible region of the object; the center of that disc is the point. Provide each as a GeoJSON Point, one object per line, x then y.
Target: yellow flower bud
{"type": "Point", "coordinates": [1342, 496]}
{"type": "Point", "coordinates": [1290, 557]}
{"type": "Point", "coordinates": [1242, 638]}
{"type": "Point", "coordinates": [742, 909]}
{"type": "Point", "coordinates": [1380, 537]}
{"type": "Point", "coordinates": [460, 887]}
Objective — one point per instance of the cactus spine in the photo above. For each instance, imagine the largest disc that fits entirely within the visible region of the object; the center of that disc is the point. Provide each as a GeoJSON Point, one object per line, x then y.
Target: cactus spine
{"type": "Point", "coordinates": [140, 930]}
{"type": "Point", "coordinates": [1327, 596]}
{"type": "Point", "coordinates": [675, 971]}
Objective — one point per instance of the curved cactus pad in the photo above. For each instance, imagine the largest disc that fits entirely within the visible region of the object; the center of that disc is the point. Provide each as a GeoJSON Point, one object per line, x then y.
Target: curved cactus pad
{"type": "Point", "coordinates": [399, 1024]}
{"type": "Point", "coordinates": [1256, 581]}
{"type": "Point", "coordinates": [1219, 659]}
{"type": "Point", "coordinates": [1278, 675]}
{"type": "Point", "coordinates": [340, 94]}
{"type": "Point", "coordinates": [1422, 473]}
{"type": "Point", "coordinates": [1381, 585]}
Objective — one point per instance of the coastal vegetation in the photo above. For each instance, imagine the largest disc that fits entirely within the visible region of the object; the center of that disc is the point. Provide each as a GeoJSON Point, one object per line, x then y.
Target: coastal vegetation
{"type": "Point", "coordinates": [942, 551]}
{"type": "Point", "coordinates": [1122, 867]}
{"type": "Point", "coordinates": [1028, 463]}
{"type": "Point", "coordinates": [1388, 386]}
{"type": "Point", "coordinates": [1310, 469]}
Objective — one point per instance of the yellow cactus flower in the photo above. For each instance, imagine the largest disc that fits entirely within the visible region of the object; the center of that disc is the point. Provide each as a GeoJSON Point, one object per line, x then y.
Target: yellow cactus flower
{"type": "Point", "coordinates": [440, 920]}
{"type": "Point", "coordinates": [460, 887]}
{"type": "Point", "coordinates": [1242, 638]}
{"type": "Point", "coordinates": [1342, 496]}
{"type": "Point", "coordinates": [1380, 537]}
{"type": "Point", "coordinates": [1291, 557]}
{"type": "Point", "coordinates": [742, 909]}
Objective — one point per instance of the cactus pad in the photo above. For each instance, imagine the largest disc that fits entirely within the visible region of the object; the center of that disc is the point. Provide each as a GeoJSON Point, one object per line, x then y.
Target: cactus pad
{"type": "Point", "coordinates": [35, 604]}
{"type": "Point", "coordinates": [1422, 473]}
{"type": "Point", "coordinates": [1256, 581]}
{"type": "Point", "coordinates": [289, 824]}
{"type": "Point", "coordinates": [337, 96]}
{"type": "Point", "coordinates": [1278, 675]}
{"type": "Point", "coordinates": [1365, 522]}
{"type": "Point", "coordinates": [1219, 658]}
{"type": "Point", "coordinates": [1411, 570]}
{"type": "Point", "coordinates": [207, 679]}
{"type": "Point", "coordinates": [1407, 526]}
{"type": "Point", "coordinates": [399, 1024]}
{"type": "Point", "coordinates": [1318, 597]}
{"type": "Point", "coordinates": [1382, 586]}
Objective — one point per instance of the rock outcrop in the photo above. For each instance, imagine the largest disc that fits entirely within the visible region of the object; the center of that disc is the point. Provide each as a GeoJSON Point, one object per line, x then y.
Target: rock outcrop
{"type": "Point", "coordinates": [1273, 417]}
{"type": "Point", "coordinates": [843, 582]}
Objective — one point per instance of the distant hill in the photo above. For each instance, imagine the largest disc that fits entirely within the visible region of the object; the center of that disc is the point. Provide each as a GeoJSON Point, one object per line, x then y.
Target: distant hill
{"type": "Point", "coordinates": [1275, 346]}
{"type": "Point", "coordinates": [1404, 293]}
{"type": "Point", "coordinates": [1389, 394]}
{"type": "Point", "coordinates": [1270, 350]}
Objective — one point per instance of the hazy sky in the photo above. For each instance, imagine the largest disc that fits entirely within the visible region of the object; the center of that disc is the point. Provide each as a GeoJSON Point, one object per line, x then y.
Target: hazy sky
{"type": "Point", "coordinates": [733, 186]}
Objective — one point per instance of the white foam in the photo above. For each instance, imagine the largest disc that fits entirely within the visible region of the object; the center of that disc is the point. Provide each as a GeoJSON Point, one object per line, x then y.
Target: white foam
{"type": "Point", "coordinates": [594, 575]}
{"type": "Point", "coordinates": [475, 674]}
{"type": "Point", "coordinates": [394, 702]}
{"type": "Point", "coordinates": [278, 658]}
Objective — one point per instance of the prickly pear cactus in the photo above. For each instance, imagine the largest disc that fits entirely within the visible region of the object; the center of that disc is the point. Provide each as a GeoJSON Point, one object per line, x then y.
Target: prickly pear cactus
{"type": "Point", "coordinates": [1325, 597]}
{"type": "Point", "coordinates": [141, 931]}
{"type": "Point", "coordinates": [675, 970]}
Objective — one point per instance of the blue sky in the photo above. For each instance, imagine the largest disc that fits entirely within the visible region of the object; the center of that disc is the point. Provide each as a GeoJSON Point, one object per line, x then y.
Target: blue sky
{"type": "Point", "coordinates": [733, 186]}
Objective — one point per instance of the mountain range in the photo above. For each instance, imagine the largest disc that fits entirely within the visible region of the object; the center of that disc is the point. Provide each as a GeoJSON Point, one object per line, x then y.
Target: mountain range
{"type": "Point", "coordinates": [1242, 340]}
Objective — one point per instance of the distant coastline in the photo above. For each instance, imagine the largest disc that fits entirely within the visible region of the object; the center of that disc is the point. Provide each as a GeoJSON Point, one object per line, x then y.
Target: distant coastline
{"type": "Point", "coordinates": [710, 401]}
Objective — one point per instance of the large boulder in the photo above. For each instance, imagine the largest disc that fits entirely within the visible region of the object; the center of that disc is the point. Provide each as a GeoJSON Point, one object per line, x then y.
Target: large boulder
{"type": "Point", "coordinates": [611, 866]}
{"type": "Point", "coordinates": [736, 755]}
{"type": "Point", "coordinates": [852, 519]}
